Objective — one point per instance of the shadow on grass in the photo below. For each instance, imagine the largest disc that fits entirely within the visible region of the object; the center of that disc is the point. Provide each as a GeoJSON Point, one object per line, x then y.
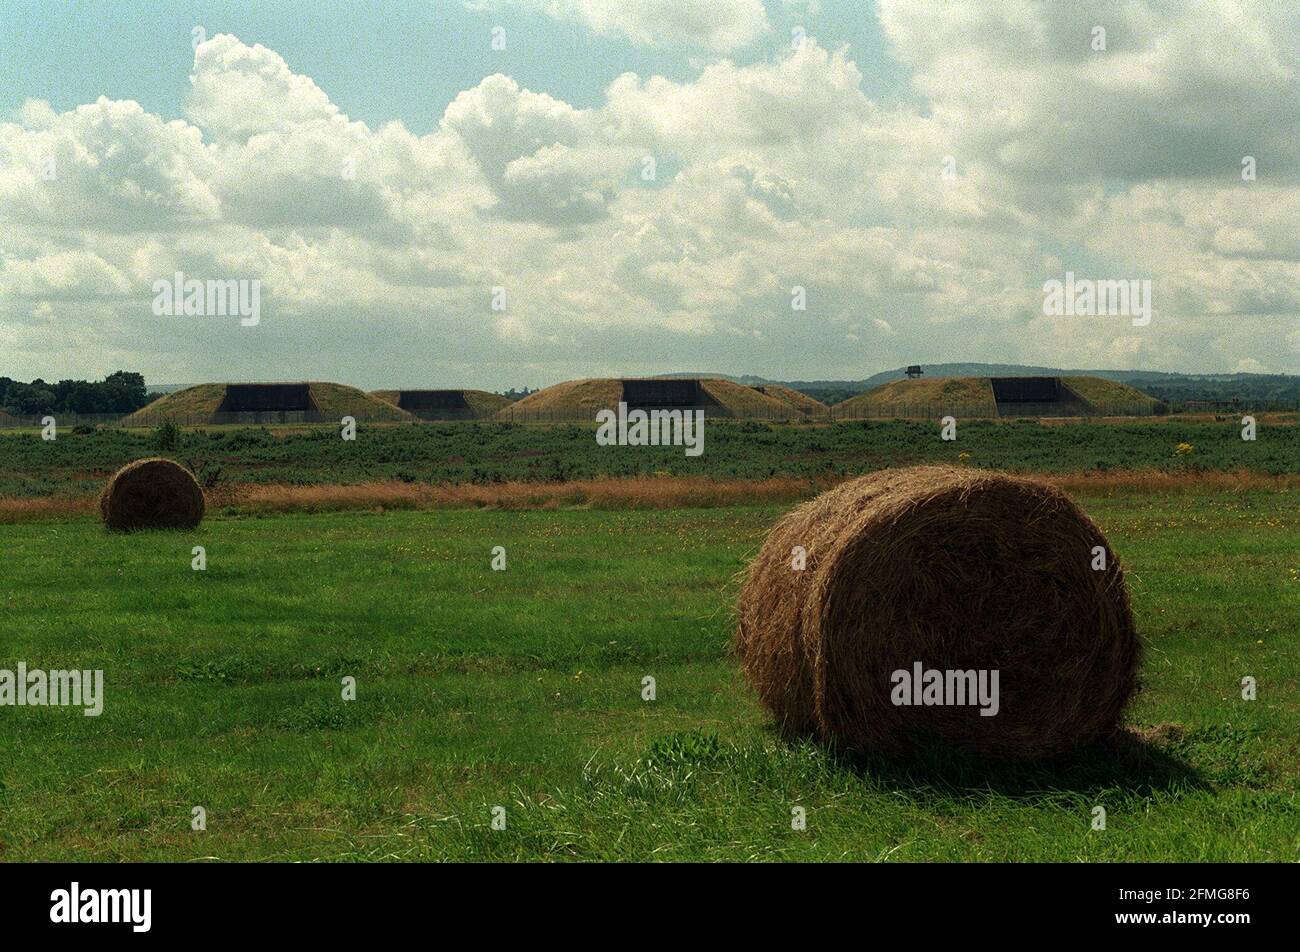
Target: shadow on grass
{"type": "Point", "coordinates": [1135, 762]}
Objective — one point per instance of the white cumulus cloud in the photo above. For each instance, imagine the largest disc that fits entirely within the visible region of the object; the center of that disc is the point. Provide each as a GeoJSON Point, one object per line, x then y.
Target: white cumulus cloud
{"type": "Point", "coordinates": [719, 25]}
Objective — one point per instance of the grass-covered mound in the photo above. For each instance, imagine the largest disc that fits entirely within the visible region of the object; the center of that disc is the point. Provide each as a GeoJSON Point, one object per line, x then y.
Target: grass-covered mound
{"type": "Point", "coordinates": [1104, 394]}
{"type": "Point", "coordinates": [971, 396]}
{"type": "Point", "coordinates": [979, 397]}
{"type": "Point", "coordinates": [204, 404]}
{"type": "Point", "coordinates": [801, 403]}
{"type": "Point", "coordinates": [581, 399]}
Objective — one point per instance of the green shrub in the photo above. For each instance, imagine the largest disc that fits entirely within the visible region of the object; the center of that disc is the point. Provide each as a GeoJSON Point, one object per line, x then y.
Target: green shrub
{"type": "Point", "coordinates": [167, 436]}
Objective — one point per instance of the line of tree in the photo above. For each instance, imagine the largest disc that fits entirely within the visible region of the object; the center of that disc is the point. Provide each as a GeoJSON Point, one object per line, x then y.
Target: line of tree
{"type": "Point", "coordinates": [1252, 390]}
{"type": "Point", "coordinates": [120, 392]}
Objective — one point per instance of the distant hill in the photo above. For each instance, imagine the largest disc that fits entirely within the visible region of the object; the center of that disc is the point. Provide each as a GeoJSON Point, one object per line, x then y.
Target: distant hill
{"type": "Point", "coordinates": [1251, 389]}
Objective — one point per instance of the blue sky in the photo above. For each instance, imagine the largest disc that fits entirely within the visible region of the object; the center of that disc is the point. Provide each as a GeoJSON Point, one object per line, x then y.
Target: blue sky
{"type": "Point", "coordinates": [378, 59]}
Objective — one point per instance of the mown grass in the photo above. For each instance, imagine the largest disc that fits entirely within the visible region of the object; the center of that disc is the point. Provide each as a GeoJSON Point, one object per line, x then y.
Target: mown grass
{"type": "Point", "coordinates": [523, 689]}
{"type": "Point", "coordinates": [455, 453]}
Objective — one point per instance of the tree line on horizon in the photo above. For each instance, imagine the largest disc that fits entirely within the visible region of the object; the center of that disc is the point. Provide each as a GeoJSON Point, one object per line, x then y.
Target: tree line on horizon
{"type": "Point", "coordinates": [120, 392]}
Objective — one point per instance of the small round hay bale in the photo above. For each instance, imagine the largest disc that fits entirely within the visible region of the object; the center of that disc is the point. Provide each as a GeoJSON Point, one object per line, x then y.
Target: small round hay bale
{"type": "Point", "coordinates": [153, 493]}
{"type": "Point", "coordinates": [955, 570]}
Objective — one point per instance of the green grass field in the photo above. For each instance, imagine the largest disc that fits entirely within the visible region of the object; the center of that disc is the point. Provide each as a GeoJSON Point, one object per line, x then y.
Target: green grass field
{"type": "Point", "coordinates": [522, 689]}
{"type": "Point", "coordinates": [78, 463]}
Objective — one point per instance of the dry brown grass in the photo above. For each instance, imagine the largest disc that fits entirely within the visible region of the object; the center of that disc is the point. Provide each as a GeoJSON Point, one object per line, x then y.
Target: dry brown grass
{"type": "Point", "coordinates": [1138, 481]}
{"type": "Point", "coordinates": [666, 492]}
{"type": "Point", "coordinates": [641, 492]}
{"type": "Point", "coordinates": [47, 507]}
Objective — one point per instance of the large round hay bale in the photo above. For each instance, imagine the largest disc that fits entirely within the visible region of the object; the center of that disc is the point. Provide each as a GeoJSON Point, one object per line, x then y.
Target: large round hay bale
{"type": "Point", "coordinates": [152, 493]}
{"type": "Point", "coordinates": [954, 570]}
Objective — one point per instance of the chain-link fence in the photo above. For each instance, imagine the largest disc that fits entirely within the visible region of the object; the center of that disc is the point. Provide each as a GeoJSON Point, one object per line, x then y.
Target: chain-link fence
{"type": "Point", "coordinates": [149, 420]}
{"type": "Point", "coordinates": [859, 411]}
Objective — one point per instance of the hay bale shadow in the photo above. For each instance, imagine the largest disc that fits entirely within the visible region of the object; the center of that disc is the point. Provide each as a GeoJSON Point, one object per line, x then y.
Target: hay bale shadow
{"type": "Point", "coordinates": [1134, 761]}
